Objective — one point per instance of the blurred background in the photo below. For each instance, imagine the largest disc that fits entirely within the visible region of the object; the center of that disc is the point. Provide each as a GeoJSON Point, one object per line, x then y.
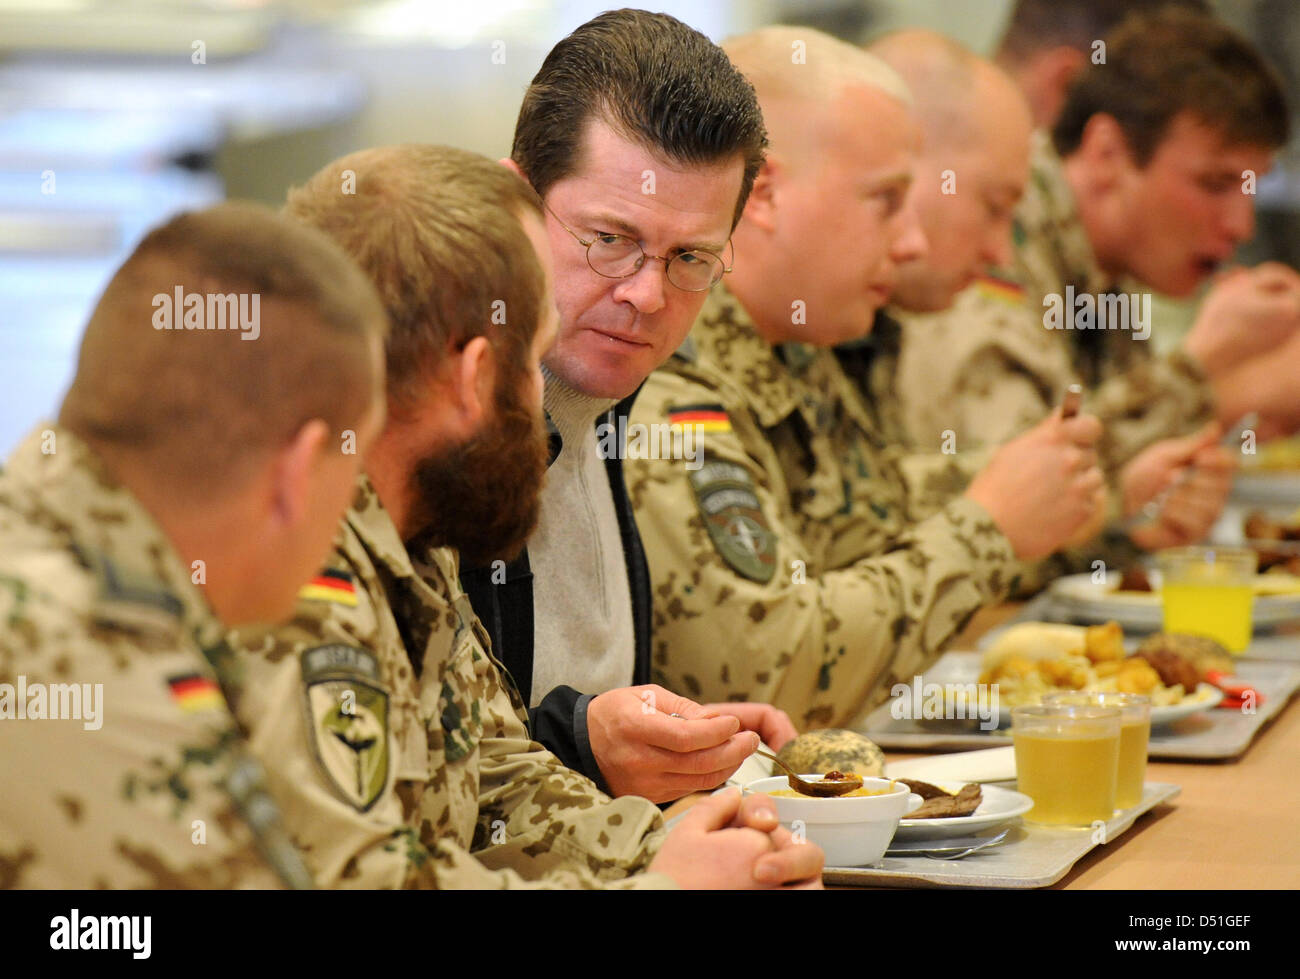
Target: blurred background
{"type": "Point", "coordinates": [115, 114]}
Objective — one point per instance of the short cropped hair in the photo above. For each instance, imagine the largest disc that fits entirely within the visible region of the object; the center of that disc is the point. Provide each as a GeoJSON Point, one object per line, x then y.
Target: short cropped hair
{"type": "Point", "coordinates": [284, 330]}
{"type": "Point", "coordinates": [438, 231]}
{"type": "Point", "coordinates": [1173, 61]}
{"type": "Point", "coordinates": [653, 80]}
{"type": "Point", "coordinates": [1038, 24]}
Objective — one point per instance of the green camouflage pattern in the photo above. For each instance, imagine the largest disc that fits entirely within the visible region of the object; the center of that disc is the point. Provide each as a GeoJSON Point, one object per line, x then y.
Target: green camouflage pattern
{"type": "Point", "coordinates": [469, 800]}
{"type": "Point", "coordinates": [162, 795]}
{"type": "Point", "coordinates": [873, 573]}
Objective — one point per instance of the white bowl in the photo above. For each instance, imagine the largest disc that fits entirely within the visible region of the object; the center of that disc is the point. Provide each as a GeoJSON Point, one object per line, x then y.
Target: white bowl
{"type": "Point", "coordinates": [854, 830]}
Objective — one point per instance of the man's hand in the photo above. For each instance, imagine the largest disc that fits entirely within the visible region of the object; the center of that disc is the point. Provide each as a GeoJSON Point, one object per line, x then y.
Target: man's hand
{"type": "Point", "coordinates": [643, 750]}
{"type": "Point", "coordinates": [772, 725]}
{"type": "Point", "coordinates": [1195, 503]}
{"type": "Point", "coordinates": [1043, 487]}
{"type": "Point", "coordinates": [1248, 312]}
{"type": "Point", "coordinates": [724, 842]}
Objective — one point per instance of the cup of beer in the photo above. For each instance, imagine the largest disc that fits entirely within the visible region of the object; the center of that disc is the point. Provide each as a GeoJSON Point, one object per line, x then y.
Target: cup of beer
{"type": "Point", "coordinates": [1209, 591]}
{"type": "Point", "coordinates": [1134, 733]}
{"type": "Point", "coordinates": [1067, 761]}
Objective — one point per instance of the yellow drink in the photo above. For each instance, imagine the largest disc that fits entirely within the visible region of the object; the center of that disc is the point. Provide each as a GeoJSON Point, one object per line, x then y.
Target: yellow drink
{"type": "Point", "coordinates": [1222, 612]}
{"type": "Point", "coordinates": [1132, 770]}
{"type": "Point", "coordinates": [1071, 778]}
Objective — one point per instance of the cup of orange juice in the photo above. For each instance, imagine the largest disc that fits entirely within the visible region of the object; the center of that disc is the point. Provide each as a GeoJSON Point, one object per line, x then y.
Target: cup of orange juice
{"type": "Point", "coordinates": [1067, 761]}
{"type": "Point", "coordinates": [1209, 591]}
{"type": "Point", "coordinates": [1134, 734]}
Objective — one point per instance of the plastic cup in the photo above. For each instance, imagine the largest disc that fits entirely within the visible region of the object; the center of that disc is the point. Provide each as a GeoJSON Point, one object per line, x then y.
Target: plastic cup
{"type": "Point", "coordinates": [1067, 761]}
{"type": "Point", "coordinates": [1134, 734]}
{"type": "Point", "coordinates": [1209, 591]}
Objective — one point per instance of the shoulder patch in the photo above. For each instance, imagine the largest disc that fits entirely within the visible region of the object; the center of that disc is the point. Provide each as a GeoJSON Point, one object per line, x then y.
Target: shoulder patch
{"type": "Point", "coordinates": [347, 716]}
{"type": "Point", "coordinates": [724, 492]}
{"type": "Point", "coordinates": [331, 586]}
{"type": "Point", "coordinates": [705, 418]}
{"type": "Point", "coordinates": [1003, 289]}
{"type": "Point", "coordinates": [194, 692]}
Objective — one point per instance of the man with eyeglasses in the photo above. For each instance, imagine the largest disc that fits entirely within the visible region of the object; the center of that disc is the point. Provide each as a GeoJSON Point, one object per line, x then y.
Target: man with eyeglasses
{"type": "Point", "coordinates": [643, 141]}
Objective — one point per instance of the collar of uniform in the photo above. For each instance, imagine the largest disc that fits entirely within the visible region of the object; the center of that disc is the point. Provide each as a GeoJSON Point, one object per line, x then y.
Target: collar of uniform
{"type": "Point", "coordinates": [1049, 214]}
{"type": "Point", "coordinates": [724, 335]}
{"type": "Point", "coordinates": [137, 565]}
{"type": "Point", "coordinates": [374, 528]}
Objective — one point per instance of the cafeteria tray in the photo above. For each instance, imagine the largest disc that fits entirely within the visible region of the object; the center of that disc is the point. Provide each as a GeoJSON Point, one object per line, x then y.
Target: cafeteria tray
{"type": "Point", "coordinates": [1216, 734]}
{"type": "Point", "coordinates": [1030, 856]}
{"type": "Point", "coordinates": [1280, 641]}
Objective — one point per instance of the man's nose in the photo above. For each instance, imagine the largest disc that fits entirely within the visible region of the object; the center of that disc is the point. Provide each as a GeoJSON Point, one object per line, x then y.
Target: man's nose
{"type": "Point", "coordinates": [645, 288]}
{"type": "Point", "coordinates": [1239, 217]}
{"type": "Point", "coordinates": [909, 241]}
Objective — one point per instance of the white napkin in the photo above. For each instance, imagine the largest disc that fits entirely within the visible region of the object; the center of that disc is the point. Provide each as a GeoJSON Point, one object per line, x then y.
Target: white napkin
{"type": "Point", "coordinates": [985, 765]}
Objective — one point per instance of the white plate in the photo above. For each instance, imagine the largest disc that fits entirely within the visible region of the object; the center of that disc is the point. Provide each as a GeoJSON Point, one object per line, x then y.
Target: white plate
{"type": "Point", "coordinates": [1207, 697]}
{"type": "Point", "coordinates": [1093, 601]}
{"type": "Point", "coordinates": [998, 806]}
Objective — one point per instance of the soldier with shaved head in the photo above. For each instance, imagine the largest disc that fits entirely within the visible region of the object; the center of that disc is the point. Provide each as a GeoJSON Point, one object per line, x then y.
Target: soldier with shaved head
{"type": "Point", "coordinates": [192, 482]}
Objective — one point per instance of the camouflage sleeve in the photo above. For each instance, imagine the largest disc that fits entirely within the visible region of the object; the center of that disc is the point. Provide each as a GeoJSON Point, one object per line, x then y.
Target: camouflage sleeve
{"type": "Point", "coordinates": [978, 373]}
{"type": "Point", "coordinates": [1159, 398]}
{"type": "Point", "coordinates": [378, 771]}
{"type": "Point", "coordinates": [935, 479]}
{"type": "Point", "coordinates": [743, 611]}
{"type": "Point", "coordinates": [142, 781]}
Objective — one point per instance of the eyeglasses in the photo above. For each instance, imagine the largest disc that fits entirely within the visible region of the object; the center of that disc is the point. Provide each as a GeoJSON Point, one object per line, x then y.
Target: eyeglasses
{"type": "Point", "coordinates": [618, 256]}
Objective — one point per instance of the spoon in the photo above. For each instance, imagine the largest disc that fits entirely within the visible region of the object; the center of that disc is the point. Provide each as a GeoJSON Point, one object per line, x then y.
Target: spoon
{"type": "Point", "coordinates": [826, 786]}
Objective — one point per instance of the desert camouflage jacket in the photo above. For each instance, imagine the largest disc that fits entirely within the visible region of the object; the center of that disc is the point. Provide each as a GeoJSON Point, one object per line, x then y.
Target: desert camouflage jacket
{"type": "Point", "coordinates": [989, 367]}
{"type": "Point", "coordinates": [122, 764]}
{"type": "Point", "coordinates": [396, 749]}
{"type": "Point", "coordinates": [795, 565]}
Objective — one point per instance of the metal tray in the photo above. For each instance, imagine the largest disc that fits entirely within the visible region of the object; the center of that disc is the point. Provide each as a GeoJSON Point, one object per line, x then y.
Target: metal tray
{"type": "Point", "coordinates": [1030, 856]}
{"type": "Point", "coordinates": [1212, 735]}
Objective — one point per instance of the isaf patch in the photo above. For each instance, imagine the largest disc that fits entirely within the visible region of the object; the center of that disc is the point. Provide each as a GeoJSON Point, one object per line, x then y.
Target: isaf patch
{"type": "Point", "coordinates": [724, 492]}
{"type": "Point", "coordinates": [347, 715]}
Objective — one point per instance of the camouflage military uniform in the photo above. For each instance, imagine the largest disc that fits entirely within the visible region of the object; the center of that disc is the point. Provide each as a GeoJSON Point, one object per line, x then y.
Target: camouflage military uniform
{"type": "Point", "coordinates": [157, 791]}
{"type": "Point", "coordinates": [791, 567]}
{"type": "Point", "coordinates": [995, 375]}
{"type": "Point", "coordinates": [399, 769]}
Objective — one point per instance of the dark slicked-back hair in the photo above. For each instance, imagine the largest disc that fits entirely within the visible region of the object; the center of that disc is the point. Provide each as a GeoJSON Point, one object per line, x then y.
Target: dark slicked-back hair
{"type": "Point", "coordinates": [1038, 24]}
{"type": "Point", "coordinates": [655, 81]}
{"type": "Point", "coordinates": [1160, 65]}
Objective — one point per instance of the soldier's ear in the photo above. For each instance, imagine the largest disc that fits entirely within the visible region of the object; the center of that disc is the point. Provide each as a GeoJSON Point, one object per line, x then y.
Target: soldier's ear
{"type": "Point", "coordinates": [760, 209]}
{"type": "Point", "coordinates": [472, 382]}
{"type": "Point", "coordinates": [297, 467]}
{"type": "Point", "coordinates": [1105, 149]}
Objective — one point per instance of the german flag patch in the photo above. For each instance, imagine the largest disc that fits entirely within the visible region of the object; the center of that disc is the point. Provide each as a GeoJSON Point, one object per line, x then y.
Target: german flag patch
{"type": "Point", "coordinates": [705, 418]}
{"type": "Point", "coordinates": [331, 586]}
{"type": "Point", "coordinates": [1003, 289]}
{"type": "Point", "coordinates": [195, 692]}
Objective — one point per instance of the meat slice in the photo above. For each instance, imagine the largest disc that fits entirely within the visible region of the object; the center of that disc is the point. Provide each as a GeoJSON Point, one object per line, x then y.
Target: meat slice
{"type": "Point", "coordinates": [943, 804]}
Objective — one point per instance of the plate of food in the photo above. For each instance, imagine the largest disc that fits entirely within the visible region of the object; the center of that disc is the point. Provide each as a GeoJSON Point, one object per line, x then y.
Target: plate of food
{"type": "Point", "coordinates": [1031, 659]}
{"type": "Point", "coordinates": [954, 809]}
{"type": "Point", "coordinates": [1272, 475]}
{"type": "Point", "coordinates": [1133, 598]}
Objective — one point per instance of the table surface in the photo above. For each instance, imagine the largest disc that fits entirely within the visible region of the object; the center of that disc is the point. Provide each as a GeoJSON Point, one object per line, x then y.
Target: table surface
{"type": "Point", "coordinates": [1236, 824]}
